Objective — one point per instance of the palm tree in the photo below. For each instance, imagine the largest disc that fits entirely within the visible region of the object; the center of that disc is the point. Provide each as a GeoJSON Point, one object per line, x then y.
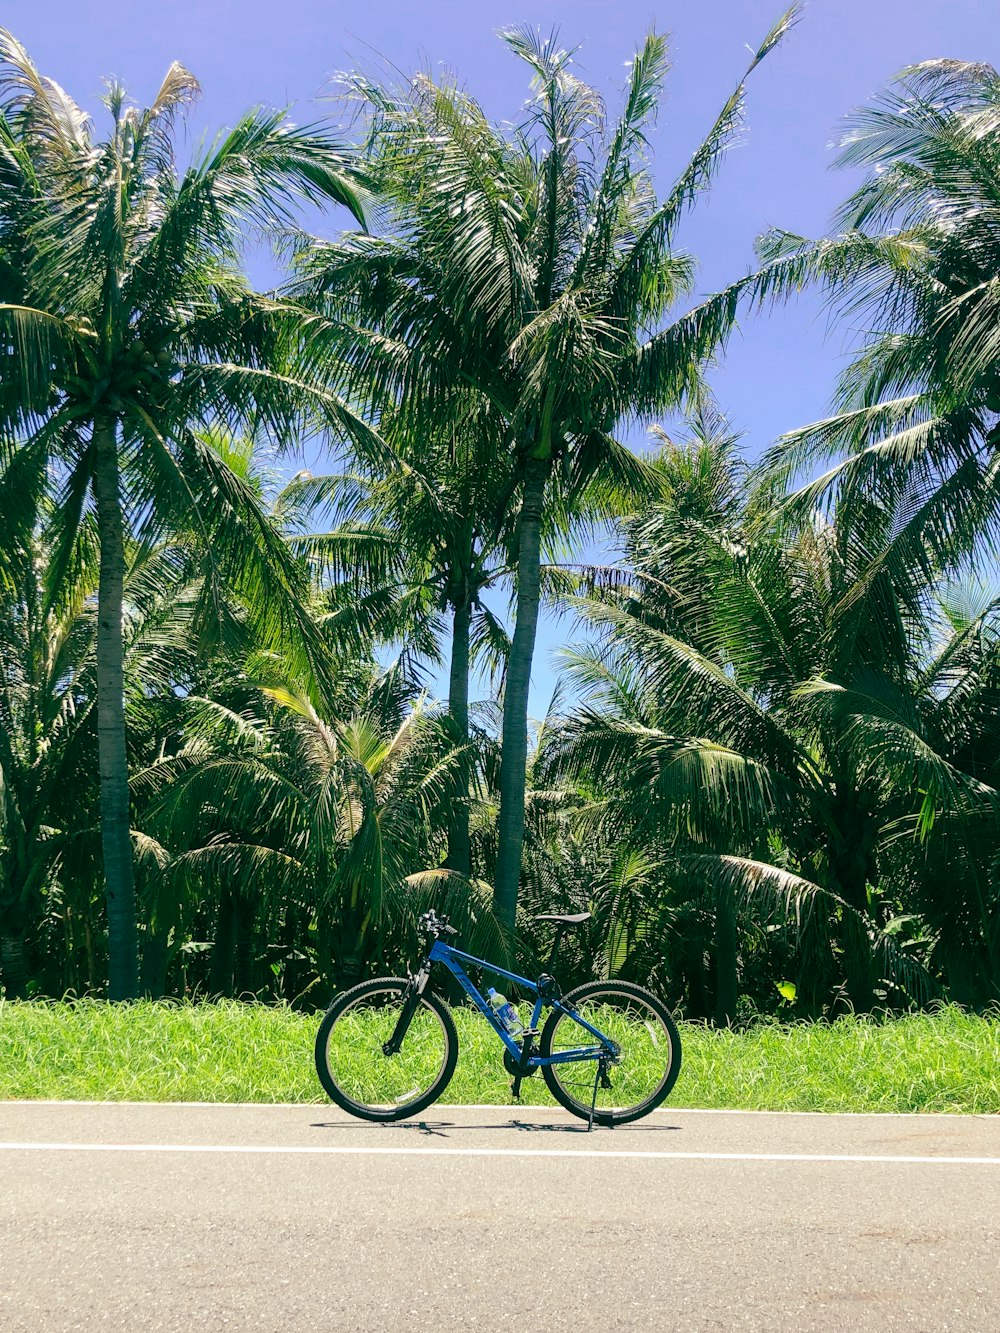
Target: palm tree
{"type": "Point", "coordinates": [775, 737]}
{"type": "Point", "coordinates": [47, 796]}
{"type": "Point", "coordinates": [276, 809]}
{"type": "Point", "coordinates": [534, 268]}
{"type": "Point", "coordinates": [916, 263]}
{"type": "Point", "coordinates": [126, 325]}
{"type": "Point", "coordinates": [951, 858]}
{"type": "Point", "coordinates": [411, 552]}
{"type": "Point", "coordinates": [186, 603]}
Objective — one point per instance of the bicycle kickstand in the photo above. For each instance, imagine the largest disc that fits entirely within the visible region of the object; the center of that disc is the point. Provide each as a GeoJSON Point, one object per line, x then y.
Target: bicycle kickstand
{"type": "Point", "coordinates": [593, 1099]}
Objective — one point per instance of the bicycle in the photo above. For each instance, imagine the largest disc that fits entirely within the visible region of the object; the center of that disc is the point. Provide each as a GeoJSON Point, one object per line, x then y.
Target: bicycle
{"type": "Point", "coordinates": [609, 1051]}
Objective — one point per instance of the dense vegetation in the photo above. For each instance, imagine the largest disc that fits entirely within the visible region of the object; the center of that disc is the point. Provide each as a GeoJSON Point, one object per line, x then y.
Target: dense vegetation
{"type": "Point", "coordinates": [770, 770]}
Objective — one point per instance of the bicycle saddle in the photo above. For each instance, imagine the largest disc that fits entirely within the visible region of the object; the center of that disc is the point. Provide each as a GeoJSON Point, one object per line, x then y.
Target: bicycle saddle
{"type": "Point", "coordinates": [557, 920]}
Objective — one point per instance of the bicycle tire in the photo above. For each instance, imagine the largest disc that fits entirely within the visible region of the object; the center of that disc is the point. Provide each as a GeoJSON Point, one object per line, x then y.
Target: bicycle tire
{"type": "Point", "coordinates": [578, 1101]}
{"type": "Point", "coordinates": [357, 1046]}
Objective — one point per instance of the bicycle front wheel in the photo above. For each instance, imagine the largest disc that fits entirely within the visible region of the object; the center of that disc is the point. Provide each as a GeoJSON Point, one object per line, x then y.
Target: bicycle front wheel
{"type": "Point", "coordinates": [645, 1068]}
{"type": "Point", "coordinates": [354, 1069]}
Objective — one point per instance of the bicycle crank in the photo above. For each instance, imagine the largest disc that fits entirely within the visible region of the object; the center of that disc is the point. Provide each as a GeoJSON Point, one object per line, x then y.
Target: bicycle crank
{"type": "Point", "coordinates": [515, 1068]}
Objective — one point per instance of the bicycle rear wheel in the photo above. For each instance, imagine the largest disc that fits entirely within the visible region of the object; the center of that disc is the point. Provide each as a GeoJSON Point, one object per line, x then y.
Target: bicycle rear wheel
{"type": "Point", "coordinates": [354, 1069]}
{"type": "Point", "coordinates": [648, 1060]}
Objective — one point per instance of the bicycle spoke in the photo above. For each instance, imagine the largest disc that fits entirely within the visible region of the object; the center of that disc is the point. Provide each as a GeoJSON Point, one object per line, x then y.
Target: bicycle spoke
{"type": "Point", "coordinates": [643, 1063]}
{"type": "Point", "coordinates": [360, 1067]}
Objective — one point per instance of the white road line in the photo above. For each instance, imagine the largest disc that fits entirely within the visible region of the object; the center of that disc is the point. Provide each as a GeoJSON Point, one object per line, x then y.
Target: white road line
{"type": "Point", "coordinates": [520, 1107]}
{"type": "Point", "coordinates": [357, 1151]}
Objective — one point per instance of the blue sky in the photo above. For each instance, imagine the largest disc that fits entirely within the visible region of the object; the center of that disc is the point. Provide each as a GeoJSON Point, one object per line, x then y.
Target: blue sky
{"type": "Point", "coordinates": [779, 372]}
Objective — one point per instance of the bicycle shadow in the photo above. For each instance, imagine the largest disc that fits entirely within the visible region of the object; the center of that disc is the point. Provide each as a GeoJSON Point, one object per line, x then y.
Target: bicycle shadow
{"type": "Point", "coordinates": [444, 1128]}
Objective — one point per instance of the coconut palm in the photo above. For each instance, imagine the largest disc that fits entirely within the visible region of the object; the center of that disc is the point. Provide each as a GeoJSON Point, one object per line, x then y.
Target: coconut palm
{"type": "Point", "coordinates": [748, 707]}
{"type": "Point", "coordinates": [534, 268]}
{"type": "Point", "coordinates": [918, 268]}
{"type": "Point", "coordinates": [47, 745]}
{"type": "Point", "coordinates": [949, 849]}
{"type": "Point", "coordinates": [410, 555]}
{"type": "Point", "coordinates": [273, 810]}
{"type": "Point", "coordinates": [127, 324]}
{"type": "Point", "coordinates": [49, 821]}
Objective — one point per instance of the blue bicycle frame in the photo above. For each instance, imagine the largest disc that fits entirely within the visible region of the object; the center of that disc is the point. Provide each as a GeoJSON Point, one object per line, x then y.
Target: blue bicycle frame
{"type": "Point", "coordinates": [453, 960]}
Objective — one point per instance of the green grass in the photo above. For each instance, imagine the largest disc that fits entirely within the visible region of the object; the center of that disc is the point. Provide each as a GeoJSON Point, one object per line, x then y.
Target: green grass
{"type": "Point", "coordinates": [228, 1052]}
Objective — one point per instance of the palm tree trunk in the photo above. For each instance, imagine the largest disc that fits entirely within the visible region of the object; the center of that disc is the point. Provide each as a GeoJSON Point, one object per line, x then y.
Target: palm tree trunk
{"type": "Point", "coordinates": [119, 878]}
{"type": "Point", "coordinates": [459, 846]}
{"type": "Point", "coordinates": [693, 970]}
{"type": "Point", "coordinates": [853, 869]}
{"type": "Point", "coordinates": [13, 966]}
{"type": "Point", "coordinates": [349, 968]}
{"type": "Point", "coordinates": [88, 949]}
{"type": "Point", "coordinates": [967, 970]}
{"type": "Point", "coordinates": [220, 977]}
{"type": "Point", "coordinates": [514, 754]}
{"type": "Point", "coordinates": [726, 958]}
{"type": "Point", "coordinates": [859, 964]}
{"type": "Point", "coordinates": [154, 964]}
{"type": "Point", "coordinates": [244, 968]}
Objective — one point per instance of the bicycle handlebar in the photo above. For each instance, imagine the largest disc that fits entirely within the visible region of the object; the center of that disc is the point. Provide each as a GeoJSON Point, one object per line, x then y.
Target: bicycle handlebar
{"type": "Point", "coordinates": [432, 924]}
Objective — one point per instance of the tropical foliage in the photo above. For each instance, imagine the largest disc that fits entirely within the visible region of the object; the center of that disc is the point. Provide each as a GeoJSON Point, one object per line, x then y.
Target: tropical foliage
{"type": "Point", "coordinates": [541, 304]}
{"type": "Point", "coordinates": [770, 770]}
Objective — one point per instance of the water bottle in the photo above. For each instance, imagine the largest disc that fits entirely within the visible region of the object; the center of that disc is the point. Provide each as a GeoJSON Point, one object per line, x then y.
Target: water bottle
{"type": "Point", "coordinates": [506, 1012]}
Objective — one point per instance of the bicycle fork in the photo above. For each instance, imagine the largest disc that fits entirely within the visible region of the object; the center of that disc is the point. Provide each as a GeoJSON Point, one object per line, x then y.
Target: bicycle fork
{"type": "Point", "coordinates": [418, 983]}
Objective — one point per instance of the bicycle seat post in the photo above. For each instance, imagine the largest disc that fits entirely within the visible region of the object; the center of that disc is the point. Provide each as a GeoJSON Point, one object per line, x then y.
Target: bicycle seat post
{"type": "Point", "coordinates": [554, 955]}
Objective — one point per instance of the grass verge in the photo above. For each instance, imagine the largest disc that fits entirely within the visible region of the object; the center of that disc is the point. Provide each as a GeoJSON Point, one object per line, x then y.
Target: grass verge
{"type": "Point", "coordinates": [228, 1052]}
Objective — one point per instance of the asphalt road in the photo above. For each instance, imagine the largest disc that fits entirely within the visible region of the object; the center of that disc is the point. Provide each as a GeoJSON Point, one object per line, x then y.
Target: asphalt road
{"type": "Point", "coordinates": [298, 1218]}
